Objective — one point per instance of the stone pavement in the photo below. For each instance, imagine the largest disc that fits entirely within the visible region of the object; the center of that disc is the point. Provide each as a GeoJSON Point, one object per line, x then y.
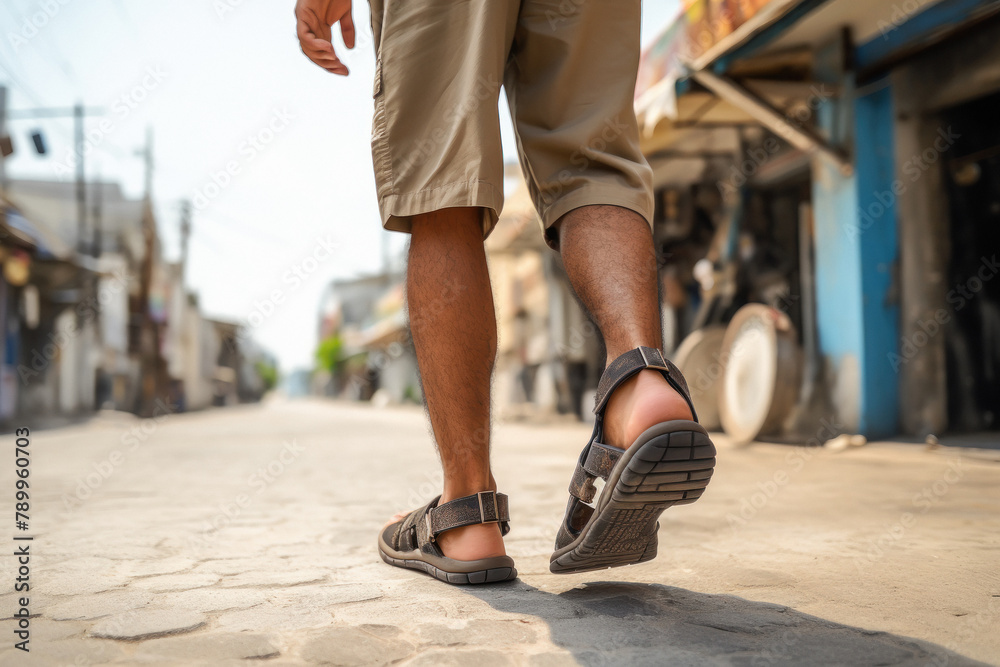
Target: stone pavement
{"type": "Point", "coordinates": [249, 534]}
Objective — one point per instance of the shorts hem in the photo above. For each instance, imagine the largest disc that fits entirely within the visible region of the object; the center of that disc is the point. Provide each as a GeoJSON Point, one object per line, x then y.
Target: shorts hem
{"type": "Point", "coordinates": [397, 210]}
{"type": "Point", "coordinates": [595, 195]}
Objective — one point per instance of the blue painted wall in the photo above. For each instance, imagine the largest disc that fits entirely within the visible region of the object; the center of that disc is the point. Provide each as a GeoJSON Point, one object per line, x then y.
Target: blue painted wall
{"type": "Point", "coordinates": [856, 248]}
{"type": "Point", "coordinates": [875, 176]}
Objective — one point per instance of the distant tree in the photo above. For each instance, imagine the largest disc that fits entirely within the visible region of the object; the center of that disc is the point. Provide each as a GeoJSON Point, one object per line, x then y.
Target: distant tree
{"type": "Point", "coordinates": [329, 354]}
{"type": "Point", "coordinates": [268, 372]}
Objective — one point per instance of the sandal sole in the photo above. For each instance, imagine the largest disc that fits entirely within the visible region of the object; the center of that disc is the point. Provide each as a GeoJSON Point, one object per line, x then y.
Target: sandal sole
{"type": "Point", "coordinates": [488, 576]}
{"type": "Point", "coordinates": [672, 468]}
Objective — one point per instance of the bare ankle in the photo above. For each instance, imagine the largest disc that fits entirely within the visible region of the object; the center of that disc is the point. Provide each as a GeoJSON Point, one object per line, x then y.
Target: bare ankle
{"type": "Point", "coordinates": [467, 487]}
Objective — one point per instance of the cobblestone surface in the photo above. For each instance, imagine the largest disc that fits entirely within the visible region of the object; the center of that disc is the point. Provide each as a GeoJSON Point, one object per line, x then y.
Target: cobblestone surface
{"type": "Point", "coordinates": [249, 534]}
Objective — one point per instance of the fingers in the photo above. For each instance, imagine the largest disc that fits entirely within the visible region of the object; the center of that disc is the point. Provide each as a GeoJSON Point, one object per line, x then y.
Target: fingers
{"type": "Point", "coordinates": [347, 29]}
{"type": "Point", "coordinates": [314, 38]}
{"type": "Point", "coordinates": [309, 39]}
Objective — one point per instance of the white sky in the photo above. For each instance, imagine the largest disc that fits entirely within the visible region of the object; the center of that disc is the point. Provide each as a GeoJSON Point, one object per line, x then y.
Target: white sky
{"type": "Point", "coordinates": [224, 77]}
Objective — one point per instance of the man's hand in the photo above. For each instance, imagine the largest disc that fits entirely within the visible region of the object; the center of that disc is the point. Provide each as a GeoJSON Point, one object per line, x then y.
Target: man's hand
{"type": "Point", "coordinates": [313, 19]}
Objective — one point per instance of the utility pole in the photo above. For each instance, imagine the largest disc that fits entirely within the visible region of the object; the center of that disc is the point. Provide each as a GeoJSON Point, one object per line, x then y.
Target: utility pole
{"type": "Point", "coordinates": [97, 213]}
{"type": "Point", "coordinates": [3, 137]}
{"type": "Point", "coordinates": [81, 193]}
{"type": "Point", "coordinates": [78, 112]}
{"type": "Point", "coordinates": [147, 154]}
{"type": "Point", "coordinates": [185, 235]}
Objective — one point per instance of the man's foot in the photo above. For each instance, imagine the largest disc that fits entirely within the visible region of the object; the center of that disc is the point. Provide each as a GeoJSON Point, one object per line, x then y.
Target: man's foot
{"type": "Point", "coordinates": [482, 540]}
{"type": "Point", "coordinates": [414, 540]}
{"type": "Point", "coordinates": [469, 543]}
{"type": "Point", "coordinates": [652, 455]}
{"type": "Point", "coordinates": [642, 401]}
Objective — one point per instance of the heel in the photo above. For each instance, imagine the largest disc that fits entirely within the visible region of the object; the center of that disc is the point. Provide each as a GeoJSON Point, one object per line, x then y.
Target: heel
{"type": "Point", "coordinates": [670, 469]}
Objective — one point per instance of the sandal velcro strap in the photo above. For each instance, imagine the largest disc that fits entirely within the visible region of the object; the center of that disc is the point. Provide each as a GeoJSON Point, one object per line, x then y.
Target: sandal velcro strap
{"type": "Point", "coordinates": [630, 363]}
{"type": "Point", "coordinates": [598, 461]}
{"type": "Point", "coordinates": [582, 485]}
{"type": "Point", "coordinates": [482, 507]}
{"type": "Point", "coordinates": [411, 531]}
{"type": "Point", "coordinates": [601, 459]}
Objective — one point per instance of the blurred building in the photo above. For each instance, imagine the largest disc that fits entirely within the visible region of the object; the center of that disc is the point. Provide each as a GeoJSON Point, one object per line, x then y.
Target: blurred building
{"type": "Point", "coordinates": [113, 249]}
{"type": "Point", "coordinates": [235, 363]}
{"type": "Point", "coordinates": [363, 325]}
{"type": "Point", "coordinates": [94, 317]}
{"type": "Point", "coordinates": [840, 162]}
{"type": "Point", "coordinates": [45, 354]}
{"type": "Point", "coordinates": [191, 345]}
{"type": "Point", "coordinates": [549, 357]}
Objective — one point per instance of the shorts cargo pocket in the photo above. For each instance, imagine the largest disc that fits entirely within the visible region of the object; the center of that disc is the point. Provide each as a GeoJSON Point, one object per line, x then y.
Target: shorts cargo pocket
{"type": "Point", "coordinates": [380, 141]}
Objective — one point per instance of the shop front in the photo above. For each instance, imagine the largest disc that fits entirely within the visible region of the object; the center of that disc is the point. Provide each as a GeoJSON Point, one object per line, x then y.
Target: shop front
{"type": "Point", "coordinates": [824, 177]}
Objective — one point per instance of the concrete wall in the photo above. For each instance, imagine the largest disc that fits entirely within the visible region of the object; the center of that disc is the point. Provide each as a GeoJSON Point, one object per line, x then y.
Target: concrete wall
{"type": "Point", "coordinates": [968, 68]}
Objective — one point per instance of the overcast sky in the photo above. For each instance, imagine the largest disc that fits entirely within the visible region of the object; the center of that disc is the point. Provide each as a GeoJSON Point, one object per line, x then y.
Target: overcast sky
{"type": "Point", "coordinates": [273, 150]}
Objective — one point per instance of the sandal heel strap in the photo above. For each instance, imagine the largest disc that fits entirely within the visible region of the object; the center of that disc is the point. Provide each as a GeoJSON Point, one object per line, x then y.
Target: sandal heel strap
{"type": "Point", "coordinates": [598, 460]}
{"type": "Point", "coordinates": [601, 460]}
{"type": "Point", "coordinates": [630, 363]}
{"type": "Point", "coordinates": [482, 507]}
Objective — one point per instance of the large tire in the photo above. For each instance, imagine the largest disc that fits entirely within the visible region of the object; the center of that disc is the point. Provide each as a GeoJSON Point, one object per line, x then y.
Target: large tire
{"type": "Point", "coordinates": [700, 359]}
{"type": "Point", "coordinates": [763, 373]}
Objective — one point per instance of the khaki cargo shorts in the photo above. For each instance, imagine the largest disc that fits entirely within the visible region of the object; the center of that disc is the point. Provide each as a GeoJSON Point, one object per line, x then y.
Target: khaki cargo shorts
{"type": "Point", "coordinates": [569, 70]}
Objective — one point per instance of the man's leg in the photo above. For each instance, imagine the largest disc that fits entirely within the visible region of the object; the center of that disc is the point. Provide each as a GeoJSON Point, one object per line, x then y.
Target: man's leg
{"type": "Point", "coordinates": [454, 331]}
{"type": "Point", "coordinates": [609, 257]}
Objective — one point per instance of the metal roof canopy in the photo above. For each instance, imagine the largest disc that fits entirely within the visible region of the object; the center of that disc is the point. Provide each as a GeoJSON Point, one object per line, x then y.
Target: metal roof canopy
{"type": "Point", "coordinates": [728, 103]}
{"type": "Point", "coordinates": [883, 30]}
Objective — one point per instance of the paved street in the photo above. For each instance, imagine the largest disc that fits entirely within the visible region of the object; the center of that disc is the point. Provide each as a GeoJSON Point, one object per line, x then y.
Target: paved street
{"type": "Point", "coordinates": [249, 533]}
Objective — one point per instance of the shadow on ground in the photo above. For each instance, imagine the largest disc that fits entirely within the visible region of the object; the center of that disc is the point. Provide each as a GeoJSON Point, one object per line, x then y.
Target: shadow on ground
{"type": "Point", "coordinates": [615, 623]}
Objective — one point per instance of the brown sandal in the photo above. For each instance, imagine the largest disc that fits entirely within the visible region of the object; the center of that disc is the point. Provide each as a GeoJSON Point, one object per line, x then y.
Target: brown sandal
{"type": "Point", "coordinates": [670, 464]}
{"type": "Point", "coordinates": [412, 542]}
